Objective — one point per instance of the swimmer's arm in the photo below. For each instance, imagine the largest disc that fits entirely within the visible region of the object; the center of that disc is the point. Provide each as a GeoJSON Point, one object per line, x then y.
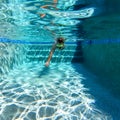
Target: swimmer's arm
{"type": "Point", "coordinates": [50, 55]}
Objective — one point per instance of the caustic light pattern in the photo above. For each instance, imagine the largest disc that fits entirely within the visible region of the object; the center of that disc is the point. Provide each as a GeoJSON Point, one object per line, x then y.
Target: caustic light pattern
{"type": "Point", "coordinates": [35, 92]}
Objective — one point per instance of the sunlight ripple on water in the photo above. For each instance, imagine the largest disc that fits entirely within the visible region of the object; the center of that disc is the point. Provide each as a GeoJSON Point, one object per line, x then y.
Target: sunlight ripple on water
{"type": "Point", "coordinates": [21, 15]}
{"type": "Point", "coordinates": [52, 92]}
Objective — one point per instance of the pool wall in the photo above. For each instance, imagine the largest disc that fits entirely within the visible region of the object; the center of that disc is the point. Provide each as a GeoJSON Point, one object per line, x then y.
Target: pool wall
{"type": "Point", "coordinates": [11, 55]}
{"type": "Point", "coordinates": [17, 52]}
{"type": "Point", "coordinates": [112, 6]}
{"type": "Point", "coordinates": [104, 60]}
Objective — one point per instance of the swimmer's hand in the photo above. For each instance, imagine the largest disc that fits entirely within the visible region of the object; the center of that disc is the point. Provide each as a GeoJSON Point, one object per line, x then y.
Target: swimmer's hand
{"type": "Point", "coordinates": [47, 64]}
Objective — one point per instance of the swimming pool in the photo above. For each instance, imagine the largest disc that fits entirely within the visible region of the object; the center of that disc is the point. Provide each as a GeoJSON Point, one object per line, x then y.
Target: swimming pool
{"type": "Point", "coordinates": [60, 92]}
{"type": "Point", "coordinates": [65, 90]}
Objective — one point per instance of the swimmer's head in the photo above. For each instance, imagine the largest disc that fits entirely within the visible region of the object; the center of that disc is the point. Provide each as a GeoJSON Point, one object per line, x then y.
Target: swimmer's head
{"type": "Point", "coordinates": [60, 40]}
{"type": "Point", "coordinates": [60, 43]}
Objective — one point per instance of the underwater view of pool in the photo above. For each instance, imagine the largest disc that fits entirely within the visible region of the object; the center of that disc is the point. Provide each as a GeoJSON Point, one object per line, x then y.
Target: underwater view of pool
{"type": "Point", "coordinates": [62, 91]}
{"type": "Point", "coordinates": [66, 89]}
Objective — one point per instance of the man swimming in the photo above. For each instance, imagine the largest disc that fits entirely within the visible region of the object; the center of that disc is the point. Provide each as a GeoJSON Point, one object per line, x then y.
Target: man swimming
{"type": "Point", "coordinates": [58, 44]}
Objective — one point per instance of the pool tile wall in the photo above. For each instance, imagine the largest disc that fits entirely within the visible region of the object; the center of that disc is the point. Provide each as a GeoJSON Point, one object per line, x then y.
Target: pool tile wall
{"type": "Point", "coordinates": [10, 56]}
{"type": "Point", "coordinates": [104, 60]}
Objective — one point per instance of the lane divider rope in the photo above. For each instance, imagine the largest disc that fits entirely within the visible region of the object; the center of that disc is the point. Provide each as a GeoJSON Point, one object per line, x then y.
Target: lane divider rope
{"type": "Point", "coordinates": [5, 40]}
{"type": "Point", "coordinates": [84, 42]}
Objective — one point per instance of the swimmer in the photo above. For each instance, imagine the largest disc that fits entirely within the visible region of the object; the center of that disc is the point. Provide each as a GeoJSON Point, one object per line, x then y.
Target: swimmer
{"type": "Point", "coordinates": [58, 44]}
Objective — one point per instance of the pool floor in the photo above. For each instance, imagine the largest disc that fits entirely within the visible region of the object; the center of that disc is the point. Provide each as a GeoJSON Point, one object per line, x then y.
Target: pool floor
{"type": "Point", "coordinates": [62, 91]}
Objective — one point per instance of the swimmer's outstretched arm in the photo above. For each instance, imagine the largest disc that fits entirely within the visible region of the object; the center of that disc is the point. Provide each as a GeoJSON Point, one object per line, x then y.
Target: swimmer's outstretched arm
{"type": "Point", "coordinates": [50, 55]}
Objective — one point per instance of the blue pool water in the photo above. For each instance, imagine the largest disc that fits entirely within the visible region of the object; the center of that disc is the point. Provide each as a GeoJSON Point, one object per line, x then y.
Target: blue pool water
{"type": "Point", "coordinates": [65, 90]}
{"type": "Point", "coordinates": [62, 91]}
